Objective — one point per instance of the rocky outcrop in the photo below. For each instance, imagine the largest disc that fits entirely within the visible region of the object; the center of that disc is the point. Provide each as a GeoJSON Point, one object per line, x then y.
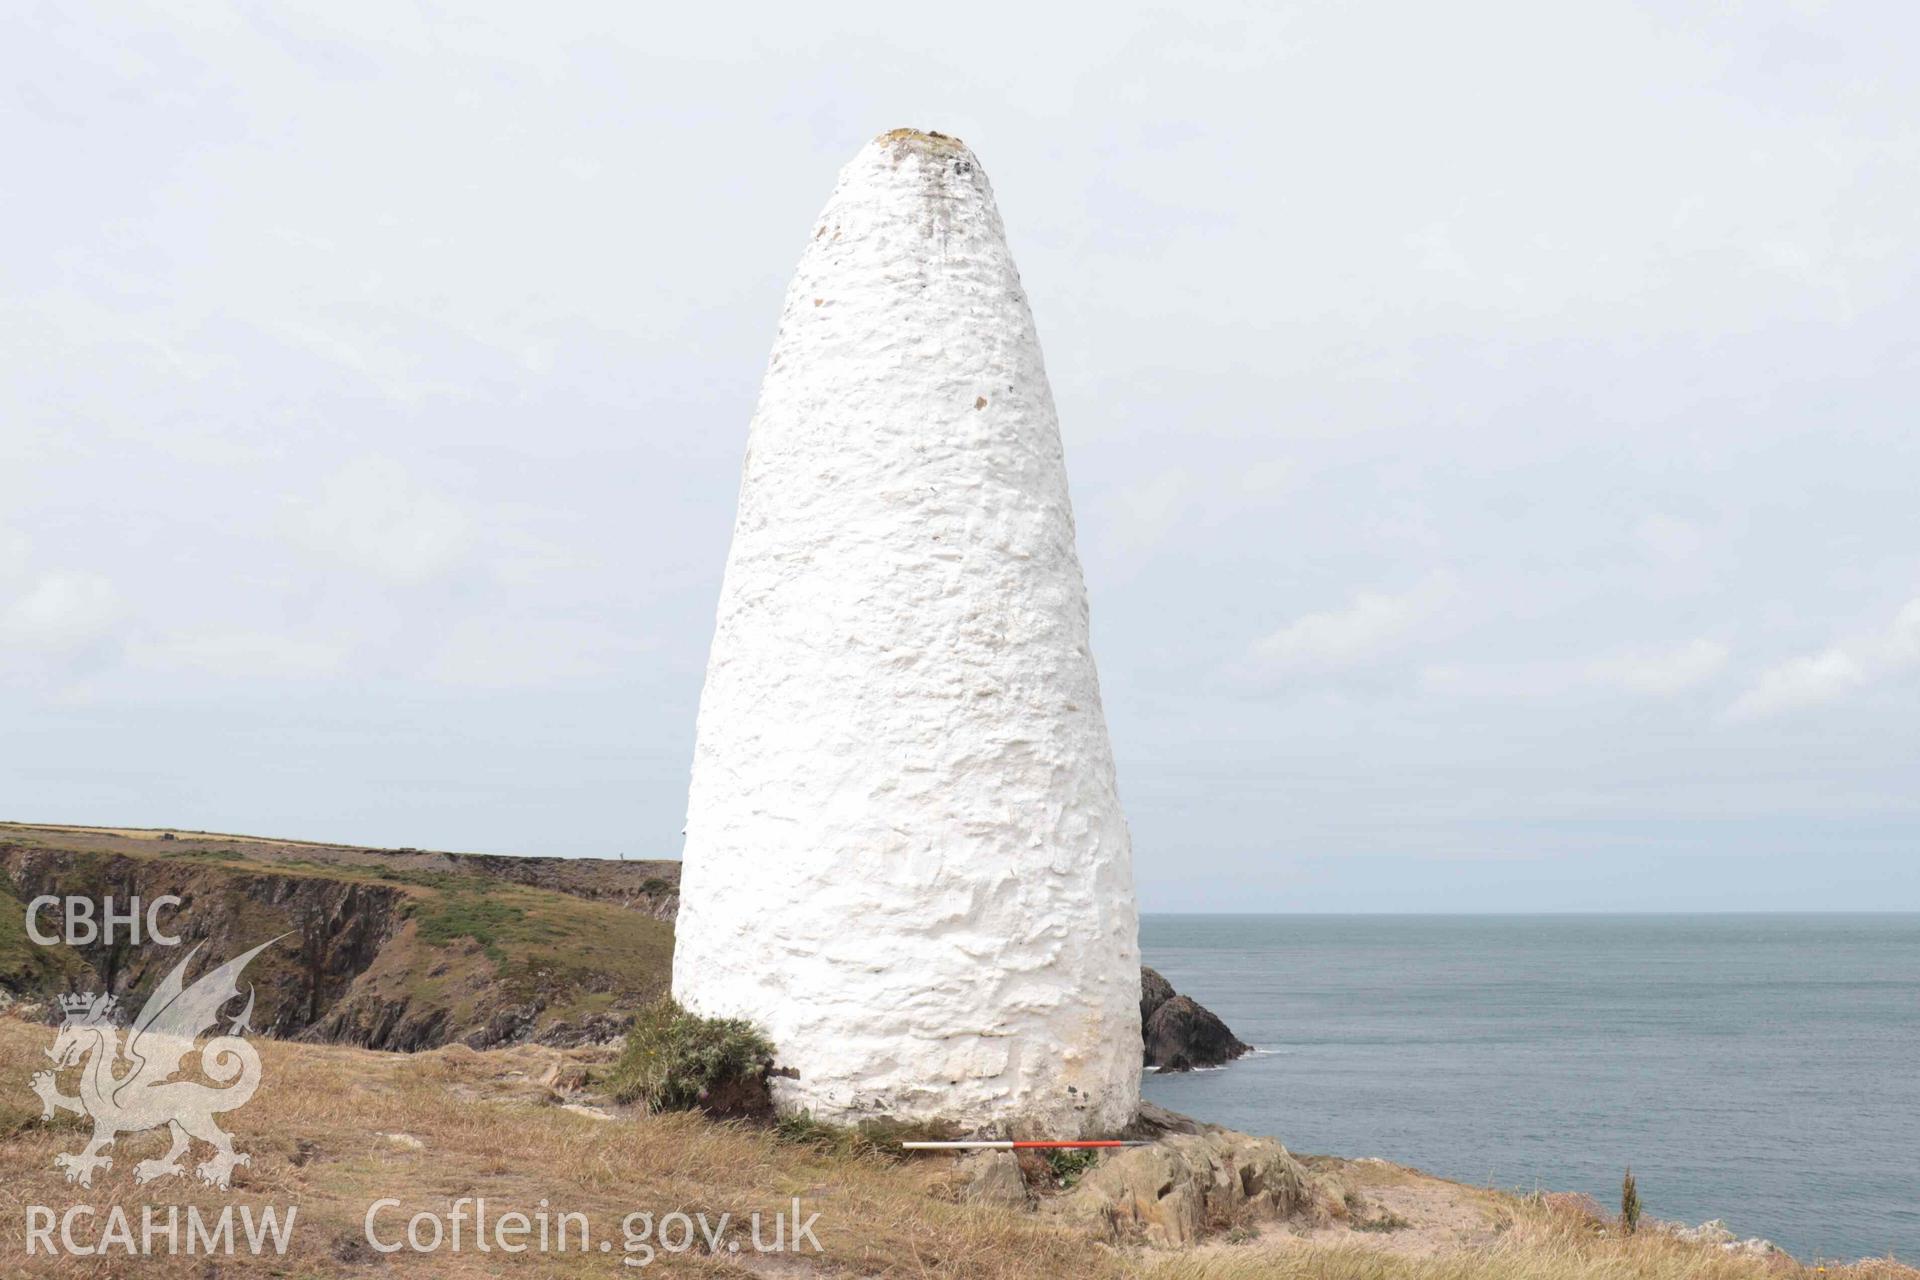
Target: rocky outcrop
{"type": "Point", "coordinates": [992, 1178]}
{"type": "Point", "coordinates": [1153, 1122]}
{"type": "Point", "coordinates": [1179, 1034]}
{"type": "Point", "coordinates": [375, 1022]}
{"type": "Point", "coordinates": [1189, 1185]}
{"type": "Point", "coordinates": [1154, 992]}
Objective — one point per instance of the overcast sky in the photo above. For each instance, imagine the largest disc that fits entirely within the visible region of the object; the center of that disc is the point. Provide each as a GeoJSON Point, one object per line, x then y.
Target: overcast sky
{"type": "Point", "coordinates": [1492, 427]}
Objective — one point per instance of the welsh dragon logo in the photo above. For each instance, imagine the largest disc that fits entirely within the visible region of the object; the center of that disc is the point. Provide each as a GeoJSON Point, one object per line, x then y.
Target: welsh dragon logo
{"type": "Point", "coordinates": [145, 1095]}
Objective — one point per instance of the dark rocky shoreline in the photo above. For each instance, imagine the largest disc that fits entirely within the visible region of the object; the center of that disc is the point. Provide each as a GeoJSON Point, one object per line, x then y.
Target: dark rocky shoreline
{"type": "Point", "coordinates": [1178, 1033]}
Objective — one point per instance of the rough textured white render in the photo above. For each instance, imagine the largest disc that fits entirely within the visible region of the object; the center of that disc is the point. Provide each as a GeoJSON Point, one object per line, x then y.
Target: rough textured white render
{"type": "Point", "coordinates": [905, 855]}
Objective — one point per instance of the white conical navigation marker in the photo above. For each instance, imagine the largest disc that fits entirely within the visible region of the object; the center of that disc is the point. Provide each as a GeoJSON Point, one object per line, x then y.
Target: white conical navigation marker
{"type": "Point", "coordinates": [905, 855]}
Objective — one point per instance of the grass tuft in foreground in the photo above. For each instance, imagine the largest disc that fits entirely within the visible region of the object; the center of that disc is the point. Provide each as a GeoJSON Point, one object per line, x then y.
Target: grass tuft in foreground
{"type": "Point", "coordinates": [678, 1061]}
{"type": "Point", "coordinates": [870, 1139]}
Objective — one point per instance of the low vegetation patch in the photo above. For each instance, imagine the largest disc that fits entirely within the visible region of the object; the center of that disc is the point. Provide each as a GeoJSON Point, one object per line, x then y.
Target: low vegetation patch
{"type": "Point", "coordinates": [500, 922]}
{"type": "Point", "coordinates": [679, 1061]}
{"type": "Point", "coordinates": [878, 1139]}
{"type": "Point", "coordinates": [445, 881]}
{"type": "Point", "coordinates": [460, 916]}
{"type": "Point", "coordinates": [1068, 1163]}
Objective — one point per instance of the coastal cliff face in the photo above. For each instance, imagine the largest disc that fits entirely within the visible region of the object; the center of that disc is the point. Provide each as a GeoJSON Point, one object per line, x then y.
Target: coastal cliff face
{"type": "Point", "coordinates": [397, 950]}
{"type": "Point", "coordinates": [905, 856]}
{"type": "Point", "coordinates": [332, 929]}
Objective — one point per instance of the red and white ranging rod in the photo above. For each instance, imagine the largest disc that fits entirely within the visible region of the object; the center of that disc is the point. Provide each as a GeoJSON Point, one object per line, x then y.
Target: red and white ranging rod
{"type": "Point", "coordinates": [1010, 1145]}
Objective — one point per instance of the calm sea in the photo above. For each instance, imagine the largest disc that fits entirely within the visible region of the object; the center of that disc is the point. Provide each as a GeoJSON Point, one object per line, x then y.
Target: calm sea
{"type": "Point", "coordinates": [1764, 1069]}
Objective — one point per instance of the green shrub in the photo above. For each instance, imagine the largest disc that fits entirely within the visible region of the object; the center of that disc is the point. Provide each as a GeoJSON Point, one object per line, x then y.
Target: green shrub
{"type": "Point", "coordinates": [1629, 1204]}
{"type": "Point", "coordinates": [675, 1061]}
{"type": "Point", "coordinates": [1068, 1163]}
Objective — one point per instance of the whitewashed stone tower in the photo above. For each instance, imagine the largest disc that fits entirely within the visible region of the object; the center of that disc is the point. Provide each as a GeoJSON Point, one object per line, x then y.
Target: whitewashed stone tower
{"type": "Point", "coordinates": [905, 855]}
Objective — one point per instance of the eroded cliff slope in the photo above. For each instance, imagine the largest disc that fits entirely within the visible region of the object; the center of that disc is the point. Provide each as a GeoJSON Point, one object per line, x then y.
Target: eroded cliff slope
{"type": "Point", "coordinates": [390, 949]}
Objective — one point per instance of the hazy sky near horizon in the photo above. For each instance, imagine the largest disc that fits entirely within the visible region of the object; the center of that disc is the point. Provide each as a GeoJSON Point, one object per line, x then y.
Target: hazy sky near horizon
{"type": "Point", "coordinates": [1491, 427]}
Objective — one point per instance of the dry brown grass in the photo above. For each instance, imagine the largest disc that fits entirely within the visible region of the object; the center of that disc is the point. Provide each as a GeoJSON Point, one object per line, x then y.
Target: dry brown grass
{"type": "Point", "coordinates": [313, 1131]}
{"type": "Point", "coordinates": [1545, 1238]}
{"type": "Point", "coordinates": [1515, 1261]}
{"type": "Point", "coordinates": [487, 1128]}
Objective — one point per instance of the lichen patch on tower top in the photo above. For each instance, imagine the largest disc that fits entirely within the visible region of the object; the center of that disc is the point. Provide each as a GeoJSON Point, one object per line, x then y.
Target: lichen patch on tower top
{"type": "Point", "coordinates": [927, 138]}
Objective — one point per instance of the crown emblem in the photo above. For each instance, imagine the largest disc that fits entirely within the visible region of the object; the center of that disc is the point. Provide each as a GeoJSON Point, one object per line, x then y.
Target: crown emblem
{"type": "Point", "coordinates": [87, 1002]}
